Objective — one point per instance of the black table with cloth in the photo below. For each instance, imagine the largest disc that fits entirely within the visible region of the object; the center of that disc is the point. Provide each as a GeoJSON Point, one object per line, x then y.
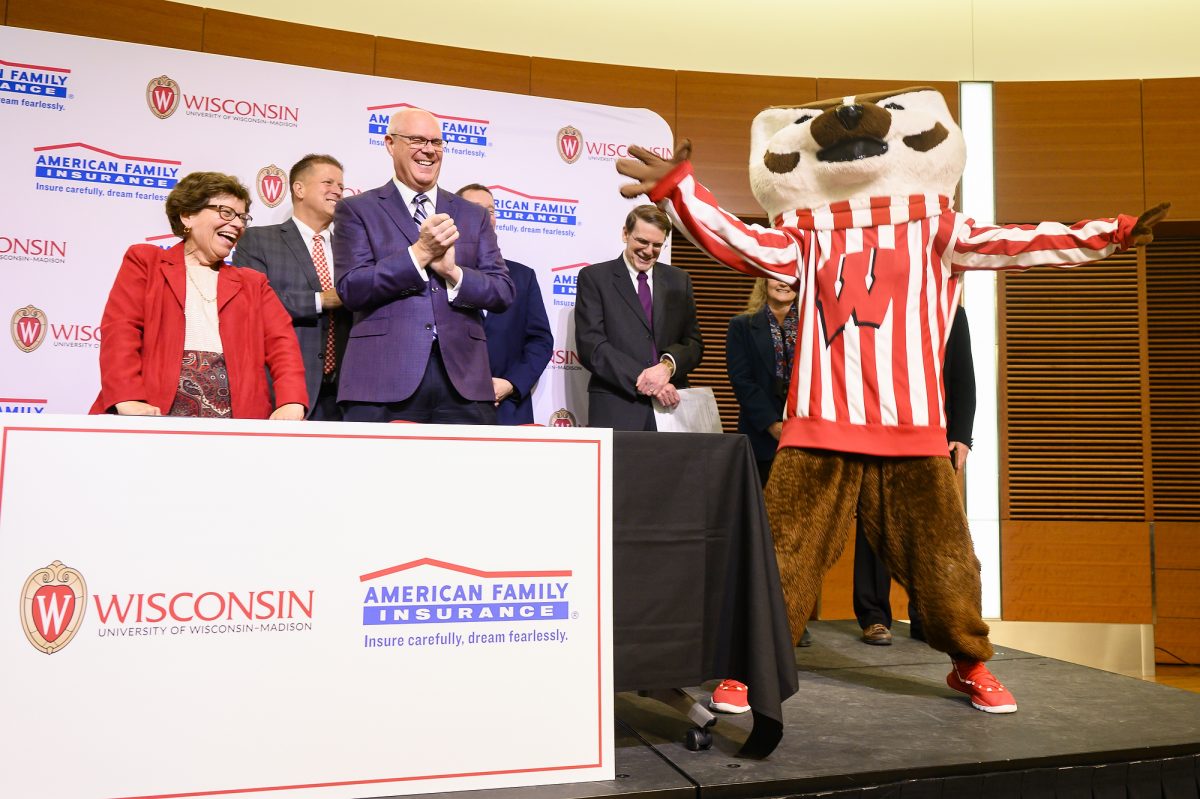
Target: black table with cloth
{"type": "Point", "coordinates": [696, 592]}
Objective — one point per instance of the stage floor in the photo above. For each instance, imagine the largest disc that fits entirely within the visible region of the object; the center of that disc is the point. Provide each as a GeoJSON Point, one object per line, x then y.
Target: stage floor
{"type": "Point", "coordinates": [866, 717]}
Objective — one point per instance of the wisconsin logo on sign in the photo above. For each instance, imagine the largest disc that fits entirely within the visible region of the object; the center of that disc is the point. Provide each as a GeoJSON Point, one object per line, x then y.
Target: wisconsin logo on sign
{"type": "Point", "coordinates": [53, 602]}
{"type": "Point", "coordinates": [570, 144]}
{"type": "Point", "coordinates": [162, 95]}
{"type": "Point", "coordinates": [563, 418]}
{"type": "Point", "coordinates": [28, 328]}
{"type": "Point", "coordinates": [271, 182]}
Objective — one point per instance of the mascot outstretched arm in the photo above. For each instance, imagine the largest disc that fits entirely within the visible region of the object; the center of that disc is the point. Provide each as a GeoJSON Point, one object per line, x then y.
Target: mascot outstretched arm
{"type": "Point", "coordinates": [859, 191]}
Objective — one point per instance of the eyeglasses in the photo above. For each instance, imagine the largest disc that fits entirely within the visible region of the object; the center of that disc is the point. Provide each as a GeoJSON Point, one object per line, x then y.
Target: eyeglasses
{"type": "Point", "coordinates": [228, 214]}
{"type": "Point", "coordinates": [419, 142]}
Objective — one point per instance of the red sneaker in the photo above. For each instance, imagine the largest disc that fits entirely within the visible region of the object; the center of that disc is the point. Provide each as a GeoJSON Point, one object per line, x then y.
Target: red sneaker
{"type": "Point", "coordinates": [987, 694]}
{"type": "Point", "coordinates": [730, 697]}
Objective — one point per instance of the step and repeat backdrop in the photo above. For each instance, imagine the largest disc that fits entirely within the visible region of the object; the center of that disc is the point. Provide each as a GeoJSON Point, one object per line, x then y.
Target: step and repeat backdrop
{"type": "Point", "coordinates": [96, 133]}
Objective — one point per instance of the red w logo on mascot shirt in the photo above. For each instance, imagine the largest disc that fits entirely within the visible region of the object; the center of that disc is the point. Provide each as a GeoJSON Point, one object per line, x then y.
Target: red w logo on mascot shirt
{"type": "Point", "coordinates": [860, 286]}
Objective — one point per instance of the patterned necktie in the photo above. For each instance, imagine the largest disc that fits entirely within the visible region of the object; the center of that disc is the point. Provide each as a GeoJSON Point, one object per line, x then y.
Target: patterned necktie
{"type": "Point", "coordinates": [648, 308]}
{"type": "Point", "coordinates": [419, 208]}
{"type": "Point", "coordinates": [326, 280]}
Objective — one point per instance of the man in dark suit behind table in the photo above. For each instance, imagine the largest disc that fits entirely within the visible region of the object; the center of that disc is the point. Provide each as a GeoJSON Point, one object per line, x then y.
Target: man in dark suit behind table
{"type": "Point", "coordinates": [519, 340]}
{"type": "Point", "coordinates": [636, 327]}
{"type": "Point", "coordinates": [416, 265]}
{"type": "Point", "coordinates": [296, 256]}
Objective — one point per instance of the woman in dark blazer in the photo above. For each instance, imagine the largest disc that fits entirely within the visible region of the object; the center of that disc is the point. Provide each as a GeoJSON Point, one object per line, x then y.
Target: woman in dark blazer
{"type": "Point", "coordinates": [758, 358]}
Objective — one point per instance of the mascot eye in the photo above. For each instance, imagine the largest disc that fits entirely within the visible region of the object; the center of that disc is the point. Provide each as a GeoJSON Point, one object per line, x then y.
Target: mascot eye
{"type": "Point", "coordinates": [894, 107]}
{"type": "Point", "coordinates": [804, 118]}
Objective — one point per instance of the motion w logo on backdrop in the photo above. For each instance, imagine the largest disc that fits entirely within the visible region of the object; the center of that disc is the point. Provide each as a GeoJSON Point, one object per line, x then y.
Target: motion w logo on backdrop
{"type": "Point", "coordinates": [162, 96]}
{"type": "Point", "coordinates": [53, 601]}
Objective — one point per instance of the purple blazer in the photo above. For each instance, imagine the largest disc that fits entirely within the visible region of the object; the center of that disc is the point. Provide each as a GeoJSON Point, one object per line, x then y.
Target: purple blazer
{"type": "Point", "coordinates": [395, 311]}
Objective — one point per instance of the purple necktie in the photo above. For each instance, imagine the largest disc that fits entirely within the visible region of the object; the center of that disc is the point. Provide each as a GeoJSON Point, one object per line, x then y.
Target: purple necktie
{"type": "Point", "coordinates": [647, 308]}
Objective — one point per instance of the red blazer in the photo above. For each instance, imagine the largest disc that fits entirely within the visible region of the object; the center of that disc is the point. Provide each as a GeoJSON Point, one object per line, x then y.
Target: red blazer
{"type": "Point", "coordinates": [141, 336]}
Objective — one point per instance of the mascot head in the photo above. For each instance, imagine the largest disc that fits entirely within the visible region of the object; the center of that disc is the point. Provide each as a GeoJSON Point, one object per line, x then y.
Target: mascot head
{"type": "Point", "coordinates": [885, 144]}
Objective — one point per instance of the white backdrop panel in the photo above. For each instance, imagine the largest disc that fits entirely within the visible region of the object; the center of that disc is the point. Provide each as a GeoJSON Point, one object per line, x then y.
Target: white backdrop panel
{"type": "Point", "coordinates": [170, 687]}
{"type": "Point", "coordinates": [83, 112]}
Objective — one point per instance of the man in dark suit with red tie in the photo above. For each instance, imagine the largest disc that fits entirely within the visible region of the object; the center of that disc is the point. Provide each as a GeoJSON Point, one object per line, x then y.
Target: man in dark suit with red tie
{"type": "Point", "coordinates": [636, 327]}
{"type": "Point", "coordinates": [519, 339]}
{"type": "Point", "coordinates": [296, 256]}
{"type": "Point", "coordinates": [416, 264]}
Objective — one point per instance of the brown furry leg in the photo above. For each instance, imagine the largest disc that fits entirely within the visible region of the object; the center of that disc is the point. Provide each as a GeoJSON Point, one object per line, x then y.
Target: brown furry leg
{"type": "Point", "coordinates": [810, 501]}
{"type": "Point", "coordinates": [914, 520]}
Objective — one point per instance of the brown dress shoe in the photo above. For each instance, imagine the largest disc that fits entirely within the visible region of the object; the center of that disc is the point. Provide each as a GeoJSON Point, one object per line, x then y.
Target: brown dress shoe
{"type": "Point", "coordinates": [877, 635]}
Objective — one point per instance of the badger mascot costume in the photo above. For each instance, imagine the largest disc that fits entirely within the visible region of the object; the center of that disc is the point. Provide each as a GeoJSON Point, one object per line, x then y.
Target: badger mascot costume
{"type": "Point", "coordinates": [859, 191]}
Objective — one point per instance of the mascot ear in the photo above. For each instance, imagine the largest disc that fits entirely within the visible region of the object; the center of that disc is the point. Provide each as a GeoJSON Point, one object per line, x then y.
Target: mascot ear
{"type": "Point", "coordinates": [767, 124]}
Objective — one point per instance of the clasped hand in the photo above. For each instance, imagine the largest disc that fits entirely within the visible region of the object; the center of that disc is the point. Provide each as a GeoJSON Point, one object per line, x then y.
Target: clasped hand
{"type": "Point", "coordinates": [434, 247]}
{"type": "Point", "coordinates": [655, 381]}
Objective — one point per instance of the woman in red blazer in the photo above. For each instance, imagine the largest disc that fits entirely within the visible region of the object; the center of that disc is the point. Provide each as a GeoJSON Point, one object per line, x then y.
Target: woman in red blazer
{"type": "Point", "coordinates": [183, 334]}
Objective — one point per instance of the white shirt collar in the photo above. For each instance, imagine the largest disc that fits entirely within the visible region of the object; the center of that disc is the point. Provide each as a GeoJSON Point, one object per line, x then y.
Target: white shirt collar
{"type": "Point", "coordinates": [307, 233]}
{"type": "Point", "coordinates": [408, 194]}
{"type": "Point", "coordinates": [633, 273]}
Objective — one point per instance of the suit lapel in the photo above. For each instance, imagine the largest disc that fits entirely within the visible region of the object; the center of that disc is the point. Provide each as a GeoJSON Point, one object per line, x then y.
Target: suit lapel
{"type": "Point", "coordinates": [761, 331]}
{"type": "Point", "coordinates": [229, 283]}
{"type": "Point", "coordinates": [624, 287]}
{"type": "Point", "coordinates": [170, 263]}
{"type": "Point", "coordinates": [295, 244]}
{"type": "Point", "coordinates": [393, 205]}
{"type": "Point", "coordinates": [659, 295]}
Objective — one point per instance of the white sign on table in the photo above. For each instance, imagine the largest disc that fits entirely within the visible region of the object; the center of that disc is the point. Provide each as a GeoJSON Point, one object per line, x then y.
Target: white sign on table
{"type": "Point", "coordinates": [302, 609]}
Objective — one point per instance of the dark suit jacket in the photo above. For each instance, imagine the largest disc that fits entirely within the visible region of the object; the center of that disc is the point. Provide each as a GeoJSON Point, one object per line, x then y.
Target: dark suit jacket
{"type": "Point", "coordinates": [613, 338]}
{"type": "Point", "coordinates": [958, 378]}
{"type": "Point", "coordinates": [280, 253]}
{"type": "Point", "coordinates": [519, 343]}
{"type": "Point", "coordinates": [395, 311]}
{"type": "Point", "coordinates": [750, 362]}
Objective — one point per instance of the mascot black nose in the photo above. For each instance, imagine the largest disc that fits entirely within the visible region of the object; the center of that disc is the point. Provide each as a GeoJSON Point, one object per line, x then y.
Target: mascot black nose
{"type": "Point", "coordinates": [849, 116]}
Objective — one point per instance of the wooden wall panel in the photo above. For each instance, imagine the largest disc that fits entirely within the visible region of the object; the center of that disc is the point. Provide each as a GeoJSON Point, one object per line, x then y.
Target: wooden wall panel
{"type": "Point", "coordinates": [715, 112]}
{"type": "Point", "coordinates": [836, 599]}
{"type": "Point", "coordinates": [721, 293]}
{"type": "Point", "coordinates": [1177, 546]}
{"type": "Point", "coordinates": [153, 22]}
{"type": "Point", "coordinates": [842, 87]}
{"type": "Point", "coordinates": [1173, 358]}
{"type": "Point", "coordinates": [1075, 571]}
{"type": "Point", "coordinates": [1171, 135]}
{"type": "Point", "coordinates": [1175, 641]}
{"type": "Point", "coordinates": [453, 66]}
{"type": "Point", "coordinates": [1068, 150]}
{"type": "Point", "coordinates": [1177, 591]}
{"type": "Point", "coordinates": [609, 84]}
{"type": "Point", "coordinates": [1071, 399]}
{"type": "Point", "coordinates": [264, 39]}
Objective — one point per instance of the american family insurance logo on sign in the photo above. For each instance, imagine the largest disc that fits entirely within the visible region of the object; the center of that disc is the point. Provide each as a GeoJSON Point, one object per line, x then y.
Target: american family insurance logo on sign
{"type": "Point", "coordinates": [33, 86]}
{"type": "Point", "coordinates": [520, 212]}
{"type": "Point", "coordinates": [463, 135]}
{"type": "Point", "coordinates": [431, 602]}
{"type": "Point", "coordinates": [79, 168]}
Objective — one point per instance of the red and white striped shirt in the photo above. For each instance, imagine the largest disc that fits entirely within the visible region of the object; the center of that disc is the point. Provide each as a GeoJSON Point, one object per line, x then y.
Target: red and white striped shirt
{"type": "Point", "coordinates": [878, 281]}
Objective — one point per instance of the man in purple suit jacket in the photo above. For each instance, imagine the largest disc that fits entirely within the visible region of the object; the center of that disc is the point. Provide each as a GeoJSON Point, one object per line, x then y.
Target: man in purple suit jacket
{"type": "Point", "coordinates": [416, 264]}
